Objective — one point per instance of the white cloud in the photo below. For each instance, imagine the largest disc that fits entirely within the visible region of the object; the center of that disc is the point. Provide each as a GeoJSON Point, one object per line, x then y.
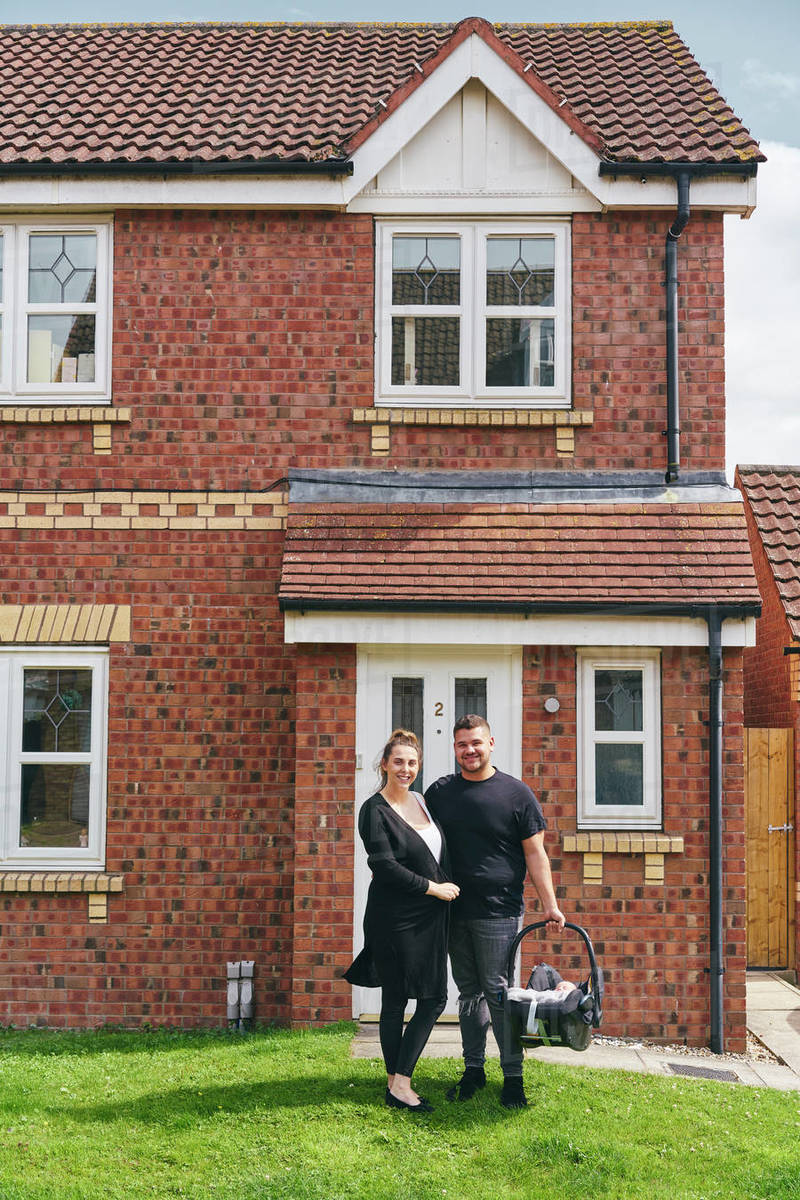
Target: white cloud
{"type": "Point", "coordinates": [762, 286]}
{"type": "Point", "coordinates": [782, 85]}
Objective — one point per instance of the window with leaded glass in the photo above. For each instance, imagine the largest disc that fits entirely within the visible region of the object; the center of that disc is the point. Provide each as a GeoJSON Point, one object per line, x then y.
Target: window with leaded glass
{"type": "Point", "coordinates": [56, 311]}
{"type": "Point", "coordinates": [473, 314]}
{"type": "Point", "coordinates": [620, 739]}
{"type": "Point", "coordinates": [55, 715]}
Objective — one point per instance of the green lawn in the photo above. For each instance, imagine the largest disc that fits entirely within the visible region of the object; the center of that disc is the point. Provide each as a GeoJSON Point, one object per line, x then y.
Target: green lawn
{"type": "Point", "coordinates": [120, 1116]}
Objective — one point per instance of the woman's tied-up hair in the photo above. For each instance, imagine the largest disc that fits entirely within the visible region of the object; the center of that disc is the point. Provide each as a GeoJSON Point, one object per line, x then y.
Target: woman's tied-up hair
{"type": "Point", "coordinates": [398, 737]}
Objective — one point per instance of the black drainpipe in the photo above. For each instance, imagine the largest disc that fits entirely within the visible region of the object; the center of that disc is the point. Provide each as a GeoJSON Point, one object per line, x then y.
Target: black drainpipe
{"type": "Point", "coordinates": [716, 960]}
{"type": "Point", "coordinates": [671, 271]}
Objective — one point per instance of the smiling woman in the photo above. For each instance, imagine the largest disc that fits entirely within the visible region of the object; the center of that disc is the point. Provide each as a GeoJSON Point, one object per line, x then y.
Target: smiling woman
{"type": "Point", "coordinates": [405, 924]}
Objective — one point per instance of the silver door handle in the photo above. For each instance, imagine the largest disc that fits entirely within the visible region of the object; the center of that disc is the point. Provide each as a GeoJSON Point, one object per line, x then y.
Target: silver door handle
{"type": "Point", "coordinates": [780, 828]}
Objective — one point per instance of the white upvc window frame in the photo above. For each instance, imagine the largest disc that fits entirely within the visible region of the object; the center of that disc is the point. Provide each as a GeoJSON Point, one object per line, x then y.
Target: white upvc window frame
{"type": "Point", "coordinates": [590, 814]}
{"type": "Point", "coordinates": [473, 311]}
{"type": "Point", "coordinates": [13, 663]}
{"type": "Point", "coordinates": [14, 386]}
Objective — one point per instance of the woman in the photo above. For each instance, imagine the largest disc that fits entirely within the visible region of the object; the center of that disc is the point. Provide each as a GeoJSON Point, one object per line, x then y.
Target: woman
{"type": "Point", "coordinates": [405, 924]}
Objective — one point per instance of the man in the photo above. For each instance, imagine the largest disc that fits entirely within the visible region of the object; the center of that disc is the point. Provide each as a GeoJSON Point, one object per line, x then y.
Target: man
{"type": "Point", "coordinates": [495, 831]}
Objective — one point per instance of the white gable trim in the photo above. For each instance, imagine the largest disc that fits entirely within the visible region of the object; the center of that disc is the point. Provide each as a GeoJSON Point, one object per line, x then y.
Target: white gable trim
{"type": "Point", "coordinates": [473, 59]}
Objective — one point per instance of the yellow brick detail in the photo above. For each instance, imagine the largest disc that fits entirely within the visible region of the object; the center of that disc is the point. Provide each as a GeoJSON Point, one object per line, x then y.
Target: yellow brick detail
{"type": "Point", "coordinates": [9, 620]}
{"type": "Point", "coordinates": [592, 868]}
{"type": "Point", "coordinates": [654, 868]}
{"type": "Point", "coordinates": [98, 908]}
{"type": "Point", "coordinates": [101, 439]}
{"type": "Point", "coordinates": [121, 626]}
{"type": "Point", "coordinates": [565, 441]}
{"type": "Point", "coordinates": [380, 439]}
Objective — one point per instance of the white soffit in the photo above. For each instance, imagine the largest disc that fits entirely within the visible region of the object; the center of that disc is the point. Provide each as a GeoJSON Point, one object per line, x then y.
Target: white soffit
{"type": "Point", "coordinates": [512, 629]}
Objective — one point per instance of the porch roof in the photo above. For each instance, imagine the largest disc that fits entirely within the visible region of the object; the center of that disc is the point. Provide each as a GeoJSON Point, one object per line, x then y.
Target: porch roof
{"type": "Point", "coordinates": [773, 494]}
{"type": "Point", "coordinates": [495, 556]}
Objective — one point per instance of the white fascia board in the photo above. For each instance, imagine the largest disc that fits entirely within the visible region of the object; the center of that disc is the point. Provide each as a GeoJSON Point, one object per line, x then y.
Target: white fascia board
{"type": "Point", "coordinates": [35, 193]}
{"type": "Point", "coordinates": [720, 193]}
{"type": "Point", "coordinates": [513, 629]}
{"type": "Point", "coordinates": [448, 204]}
{"type": "Point", "coordinates": [95, 194]}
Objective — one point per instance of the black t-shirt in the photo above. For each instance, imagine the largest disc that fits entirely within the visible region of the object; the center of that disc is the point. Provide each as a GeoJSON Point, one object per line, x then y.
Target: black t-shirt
{"type": "Point", "coordinates": [485, 821]}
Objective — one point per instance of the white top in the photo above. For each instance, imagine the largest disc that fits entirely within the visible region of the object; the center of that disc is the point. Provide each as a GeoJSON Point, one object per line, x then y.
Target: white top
{"type": "Point", "coordinates": [430, 834]}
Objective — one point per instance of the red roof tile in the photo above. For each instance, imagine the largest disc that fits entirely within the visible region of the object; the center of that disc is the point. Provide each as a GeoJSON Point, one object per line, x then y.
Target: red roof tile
{"type": "Point", "coordinates": [773, 494]}
{"type": "Point", "coordinates": [243, 92]}
{"type": "Point", "coordinates": [493, 554]}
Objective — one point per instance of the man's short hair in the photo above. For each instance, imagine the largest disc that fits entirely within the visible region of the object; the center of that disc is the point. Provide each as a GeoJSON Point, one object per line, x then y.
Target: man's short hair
{"type": "Point", "coordinates": [472, 721]}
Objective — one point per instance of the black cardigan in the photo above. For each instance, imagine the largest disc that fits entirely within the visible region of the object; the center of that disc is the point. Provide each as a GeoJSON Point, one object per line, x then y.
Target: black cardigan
{"type": "Point", "coordinates": [405, 930]}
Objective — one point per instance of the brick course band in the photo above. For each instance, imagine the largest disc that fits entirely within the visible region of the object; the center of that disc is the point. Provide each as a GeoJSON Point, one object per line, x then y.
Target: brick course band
{"type": "Point", "coordinates": [143, 510]}
{"type": "Point", "coordinates": [513, 417]}
{"type": "Point", "coordinates": [617, 842]}
{"type": "Point", "coordinates": [60, 881]}
{"type": "Point", "coordinates": [74, 415]}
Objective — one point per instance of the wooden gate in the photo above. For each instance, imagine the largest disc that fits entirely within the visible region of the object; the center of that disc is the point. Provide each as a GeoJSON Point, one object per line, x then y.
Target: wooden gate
{"type": "Point", "coordinates": [769, 806]}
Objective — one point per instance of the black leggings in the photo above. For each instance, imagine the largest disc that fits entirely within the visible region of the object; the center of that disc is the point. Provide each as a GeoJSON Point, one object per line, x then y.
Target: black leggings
{"type": "Point", "coordinates": [401, 1050]}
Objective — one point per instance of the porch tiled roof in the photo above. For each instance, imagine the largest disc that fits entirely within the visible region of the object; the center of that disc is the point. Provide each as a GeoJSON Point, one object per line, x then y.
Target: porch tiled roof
{"type": "Point", "coordinates": [239, 92]}
{"type": "Point", "coordinates": [773, 494]}
{"type": "Point", "coordinates": [493, 554]}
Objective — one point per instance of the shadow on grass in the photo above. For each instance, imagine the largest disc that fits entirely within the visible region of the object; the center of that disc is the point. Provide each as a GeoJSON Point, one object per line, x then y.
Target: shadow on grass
{"type": "Point", "coordinates": [182, 1107]}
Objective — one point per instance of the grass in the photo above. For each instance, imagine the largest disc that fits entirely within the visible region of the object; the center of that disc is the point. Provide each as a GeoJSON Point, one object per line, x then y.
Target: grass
{"type": "Point", "coordinates": [278, 1114]}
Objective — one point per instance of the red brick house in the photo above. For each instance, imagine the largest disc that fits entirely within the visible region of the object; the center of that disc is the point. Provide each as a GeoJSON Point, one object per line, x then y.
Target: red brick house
{"type": "Point", "coordinates": [771, 696]}
{"type": "Point", "coordinates": [355, 375]}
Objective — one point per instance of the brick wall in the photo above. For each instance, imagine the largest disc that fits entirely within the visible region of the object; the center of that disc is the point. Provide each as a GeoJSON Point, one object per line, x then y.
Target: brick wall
{"type": "Point", "coordinates": [243, 344]}
{"type": "Point", "coordinates": [767, 692]}
{"type": "Point", "coordinates": [652, 941]}
{"type": "Point", "coordinates": [768, 702]}
{"type": "Point", "coordinates": [324, 832]}
{"type": "Point", "coordinates": [200, 782]}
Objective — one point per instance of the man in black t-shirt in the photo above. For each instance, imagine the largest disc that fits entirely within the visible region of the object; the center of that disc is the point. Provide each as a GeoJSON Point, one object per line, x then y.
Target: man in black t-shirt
{"type": "Point", "coordinates": [495, 832]}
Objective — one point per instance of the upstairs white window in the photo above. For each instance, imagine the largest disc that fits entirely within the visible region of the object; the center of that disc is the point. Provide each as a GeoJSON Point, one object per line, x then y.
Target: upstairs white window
{"type": "Point", "coordinates": [56, 311]}
{"type": "Point", "coordinates": [619, 740]}
{"type": "Point", "coordinates": [53, 709]}
{"type": "Point", "coordinates": [473, 314]}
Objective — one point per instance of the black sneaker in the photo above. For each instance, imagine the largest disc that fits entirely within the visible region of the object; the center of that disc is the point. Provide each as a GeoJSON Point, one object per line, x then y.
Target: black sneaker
{"type": "Point", "coordinates": [513, 1093]}
{"type": "Point", "coordinates": [470, 1082]}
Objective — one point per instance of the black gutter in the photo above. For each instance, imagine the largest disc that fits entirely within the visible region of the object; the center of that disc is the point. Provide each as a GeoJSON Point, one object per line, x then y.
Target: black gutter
{"type": "Point", "coordinates": [716, 956]}
{"type": "Point", "coordinates": [642, 170]}
{"type": "Point", "coordinates": [671, 278]}
{"type": "Point", "coordinates": [745, 608]}
{"type": "Point", "coordinates": [270, 166]}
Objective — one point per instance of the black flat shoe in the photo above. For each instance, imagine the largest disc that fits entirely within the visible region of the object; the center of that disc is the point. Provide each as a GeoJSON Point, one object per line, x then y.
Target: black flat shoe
{"type": "Point", "coordinates": [422, 1107]}
{"type": "Point", "coordinates": [424, 1099]}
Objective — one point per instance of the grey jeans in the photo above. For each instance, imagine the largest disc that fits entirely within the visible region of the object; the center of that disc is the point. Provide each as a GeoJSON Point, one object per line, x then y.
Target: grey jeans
{"type": "Point", "coordinates": [478, 956]}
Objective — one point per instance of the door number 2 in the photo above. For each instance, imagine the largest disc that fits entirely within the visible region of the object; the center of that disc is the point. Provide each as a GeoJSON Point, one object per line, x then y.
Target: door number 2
{"type": "Point", "coordinates": [438, 709]}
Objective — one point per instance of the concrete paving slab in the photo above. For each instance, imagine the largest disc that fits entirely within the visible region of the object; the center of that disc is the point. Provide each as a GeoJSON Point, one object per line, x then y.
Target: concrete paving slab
{"type": "Point", "coordinates": [773, 1015]}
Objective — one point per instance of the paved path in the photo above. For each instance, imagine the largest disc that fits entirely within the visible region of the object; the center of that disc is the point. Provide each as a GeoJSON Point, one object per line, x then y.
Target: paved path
{"type": "Point", "coordinates": [773, 1015]}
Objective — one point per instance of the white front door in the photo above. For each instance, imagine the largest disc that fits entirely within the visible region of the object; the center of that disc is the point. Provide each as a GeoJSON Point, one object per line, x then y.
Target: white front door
{"type": "Point", "coordinates": [426, 689]}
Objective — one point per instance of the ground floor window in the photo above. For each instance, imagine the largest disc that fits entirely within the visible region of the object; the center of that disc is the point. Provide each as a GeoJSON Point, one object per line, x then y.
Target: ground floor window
{"type": "Point", "coordinates": [53, 718]}
{"type": "Point", "coordinates": [619, 740]}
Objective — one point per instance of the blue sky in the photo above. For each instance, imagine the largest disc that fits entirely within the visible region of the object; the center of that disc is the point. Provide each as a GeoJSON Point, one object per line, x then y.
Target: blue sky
{"type": "Point", "coordinates": [751, 50]}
